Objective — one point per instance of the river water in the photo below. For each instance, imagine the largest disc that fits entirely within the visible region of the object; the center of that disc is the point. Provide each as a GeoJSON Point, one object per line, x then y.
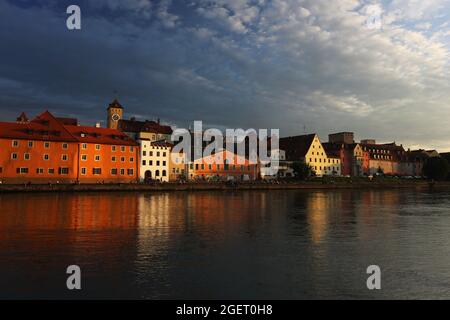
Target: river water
{"type": "Point", "coordinates": [226, 245]}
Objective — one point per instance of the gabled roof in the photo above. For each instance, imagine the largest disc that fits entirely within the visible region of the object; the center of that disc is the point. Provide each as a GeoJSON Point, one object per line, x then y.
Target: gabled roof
{"type": "Point", "coordinates": [296, 147]}
{"type": "Point", "coordinates": [87, 134]}
{"type": "Point", "coordinates": [44, 127]}
{"type": "Point", "coordinates": [48, 128]}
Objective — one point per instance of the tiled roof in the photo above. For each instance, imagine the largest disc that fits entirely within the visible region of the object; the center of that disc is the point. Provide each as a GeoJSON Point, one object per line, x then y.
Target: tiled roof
{"type": "Point", "coordinates": [100, 135]}
{"type": "Point", "coordinates": [333, 149]}
{"type": "Point", "coordinates": [68, 121]}
{"type": "Point", "coordinates": [143, 126]}
{"type": "Point", "coordinates": [115, 104]}
{"type": "Point", "coordinates": [46, 127]}
{"type": "Point", "coordinates": [162, 143]}
{"type": "Point", "coordinates": [296, 147]}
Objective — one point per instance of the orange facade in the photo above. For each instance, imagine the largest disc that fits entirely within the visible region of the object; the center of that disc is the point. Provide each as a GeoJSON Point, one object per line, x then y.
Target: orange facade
{"type": "Point", "coordinates": [45, 150]}
{"type": "Point", "coordinates": [223, 166]}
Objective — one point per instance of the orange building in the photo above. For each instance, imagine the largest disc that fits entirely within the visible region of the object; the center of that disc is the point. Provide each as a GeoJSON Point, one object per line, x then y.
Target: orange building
{"type": "Point", "coordinates": [57, 150]}
{"type": "Point", "coordinates": [223, 165]}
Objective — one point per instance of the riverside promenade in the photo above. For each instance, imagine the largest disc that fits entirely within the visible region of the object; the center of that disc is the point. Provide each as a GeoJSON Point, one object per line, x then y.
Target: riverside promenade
{"type": "Point", "coordinates": [221, 186]}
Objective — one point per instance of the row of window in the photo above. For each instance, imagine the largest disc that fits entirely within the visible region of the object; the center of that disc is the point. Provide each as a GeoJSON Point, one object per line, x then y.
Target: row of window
{"type": "Point", "coordinates": [27, 156]}
{"type": "Point", "coordinates": [150, 163]}
{"type": "Point", "coordinates": [61, 171]}
{"type": "Point", "coordinates": [114, 172]}
{"type": "Point", "coordinates": [84, 157]}
{"type": "Point", "coordinates": [218, 167]}
{"type": "Point", "coordinates": [334, 161]}
{"type": "Point", "coordinates": [150, 154]}
{"type": "Point", "coordinates": [84, 146]}
{"type": "Point", "coordinates": [64, 171]}
{"type": "Point", "coordinates": [65, 157]}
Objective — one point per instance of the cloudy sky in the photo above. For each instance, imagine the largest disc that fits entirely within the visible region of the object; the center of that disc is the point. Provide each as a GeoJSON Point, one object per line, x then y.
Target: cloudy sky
{"type": "Point", "coordinates": [378, 68]}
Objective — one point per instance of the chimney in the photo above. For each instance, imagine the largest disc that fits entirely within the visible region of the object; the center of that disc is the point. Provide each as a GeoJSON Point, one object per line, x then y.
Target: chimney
{"type": "Point", "coordinates": [133, 118]}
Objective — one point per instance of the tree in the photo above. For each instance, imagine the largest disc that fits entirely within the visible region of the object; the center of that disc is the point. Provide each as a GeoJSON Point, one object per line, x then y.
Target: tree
{"type": "Point", "coordinates": [436, 168]}
{"type": "Point", "coordinates": [302, 170]}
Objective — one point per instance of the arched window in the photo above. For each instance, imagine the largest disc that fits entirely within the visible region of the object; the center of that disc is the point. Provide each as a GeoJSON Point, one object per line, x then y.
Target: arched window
{"type": "Point", "coordinates": [157, 173]}
{"type": "Point", "coordinates": [164, 173]}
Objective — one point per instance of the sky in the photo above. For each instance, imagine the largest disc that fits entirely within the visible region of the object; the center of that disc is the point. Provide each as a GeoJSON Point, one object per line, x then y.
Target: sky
{"type": "Point", "coordinates": [377, 68]}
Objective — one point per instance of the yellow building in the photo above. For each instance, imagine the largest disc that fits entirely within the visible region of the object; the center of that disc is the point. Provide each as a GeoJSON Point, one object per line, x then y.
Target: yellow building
{"type": "Point", "coordinates": [309, 149]}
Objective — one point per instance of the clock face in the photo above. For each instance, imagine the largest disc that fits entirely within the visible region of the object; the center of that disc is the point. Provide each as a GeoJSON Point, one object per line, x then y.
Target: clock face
{"type": "Point", "coordinates": [115, 117]}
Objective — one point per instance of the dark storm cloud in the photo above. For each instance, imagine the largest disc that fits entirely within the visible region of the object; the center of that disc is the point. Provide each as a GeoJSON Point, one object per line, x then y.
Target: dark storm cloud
{"type": "Point", "coordinates": [237, 63]}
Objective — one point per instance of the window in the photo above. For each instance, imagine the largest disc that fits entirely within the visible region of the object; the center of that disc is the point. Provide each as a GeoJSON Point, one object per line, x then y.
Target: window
{"type": "Point", "coordinates": [96, 171]}
{"type": "Point", "coordinates": [209, 167]}
{"type": "Point", "coordinates": [84, 146]}
{"type": "Point", "coordinates": [84, 157]}
{"type": "Point", "coordinates": [203, 166]}
{"type": "Point", "coordinates": [22, 170]}
{"type": "Point", "coordinates": [196, 166]}
{"type": "Point", "coordinates": [26, 156]}
{"type": "Point", "coordinates": [144, 163]}
{"type": "Point", "coordinates": [164, 173]}
{"type": "Point", "coordinates": [157, 154]}
{"type": "Point", "coordinates": [64, 157]}
{"type": "Point", "coordinates": [151, 153]}
{"type": "Point", "coordinates": [122, 171]}
{"type": "Point", "coordinates": [63, 170]}
{"type": "Point", "coordinates": [97, 158]}
{"type": "Point", "coordinates": [65, 145]}
{"type": "Point", "coordinates": [97, 147]}
{"type": "Point", "coordinates": [131, 149]}
{"type": "Point", "coordinates": [40, 170]}
{"type": "Point", "coordinates": [30, 144]}
{"type": "Point", "coordinates": [46, 145]}
{"type": "Point", "coordinates": [46, 157]}
{"type": "Point", "coordinates": [122, 148]}
{"type": "Point", "coordinates": [15, 143]}
{"type": "Point", "coordinates": [1, 169]}
{"type": "Point", "coordinates": [131, 159]}
{"type": "Point", "coordinates": [164, 163]}
{"type": "Point", "coordinates": [130, 172]}
{"type": "Point", "coordinates": [144, 153]}
{"type": "Point", "coordinates": [164, 154]}
{"type": "Point", "coordinates": [113, 159]}
{"type": "Point", "coordinates": [191, 166]}
{"type": "Point", "coordinates": [51, 171]}
{"type": "Point", "coordinates": [113, 148]}
{"type": "Point", "coordinates": [122, 159]}
{"type": "Point", "coordinates": [157, 162]}
{"type": "Point", "coordinates": [114, 172]}
{"type": "Point", "coordinates": [83, 171]}
{"type": "Point", "coordinates": [157, 173]}
{"type": "Point", "coordinates": [14, 156]}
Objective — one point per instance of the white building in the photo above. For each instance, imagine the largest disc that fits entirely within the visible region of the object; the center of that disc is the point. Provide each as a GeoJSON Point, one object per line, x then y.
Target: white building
{"type": "Point", "coordinates": [155, 158]}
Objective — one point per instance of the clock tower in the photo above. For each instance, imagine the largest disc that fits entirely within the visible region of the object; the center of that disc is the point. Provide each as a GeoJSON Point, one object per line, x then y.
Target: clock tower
{"type": "Point", "coordinates": [115, 113]}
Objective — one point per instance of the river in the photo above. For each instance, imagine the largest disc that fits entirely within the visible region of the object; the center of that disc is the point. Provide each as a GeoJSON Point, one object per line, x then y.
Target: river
{"type": "Point", "coordinates": [226, 245]}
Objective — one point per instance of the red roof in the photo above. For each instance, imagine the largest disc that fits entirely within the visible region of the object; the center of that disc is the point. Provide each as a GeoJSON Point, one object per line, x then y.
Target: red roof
{"type": "Point", "coordinates": [296, 147]}
{"type": "Point", "coordinates": [46, 127]}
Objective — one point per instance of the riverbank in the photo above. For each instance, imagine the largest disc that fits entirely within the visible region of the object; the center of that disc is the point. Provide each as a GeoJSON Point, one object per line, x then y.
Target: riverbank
{"type": "Point", "coordinates": [198, 186]}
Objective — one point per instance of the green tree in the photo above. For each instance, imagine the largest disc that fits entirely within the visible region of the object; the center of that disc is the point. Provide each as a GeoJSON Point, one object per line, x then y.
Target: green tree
{"type": "Point", "coordinates": [436, 168]}
{"type": "Point", "coordinates": [302, 170]}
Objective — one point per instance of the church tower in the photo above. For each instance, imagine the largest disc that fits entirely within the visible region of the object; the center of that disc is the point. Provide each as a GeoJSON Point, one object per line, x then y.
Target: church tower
{"type": "Point", "coordinates": [115, 113]}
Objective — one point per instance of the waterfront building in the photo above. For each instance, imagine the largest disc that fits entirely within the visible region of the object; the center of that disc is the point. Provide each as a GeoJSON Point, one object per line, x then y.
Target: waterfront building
{"type": "Point", "coordinates": [388, 158]}
{"type": "Point", "coordinates": [308, 149]}
{"type": "Point", "coordinates": [155, 160]}
{"type": "Point", "coordinates": [153, 139]}
{"type": "Point", "coordinates": [223, 165]}
{"type": "Point", "coordinates": [354, 160]}
{"type": "Point", "coordinates": [58, 150]}
{"type": "Point", "coordinates": [177, 166]}
{"type": "Point", "coordinates": [282, 170]}
{"type": "Point", "coordinates": [418, 158]}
